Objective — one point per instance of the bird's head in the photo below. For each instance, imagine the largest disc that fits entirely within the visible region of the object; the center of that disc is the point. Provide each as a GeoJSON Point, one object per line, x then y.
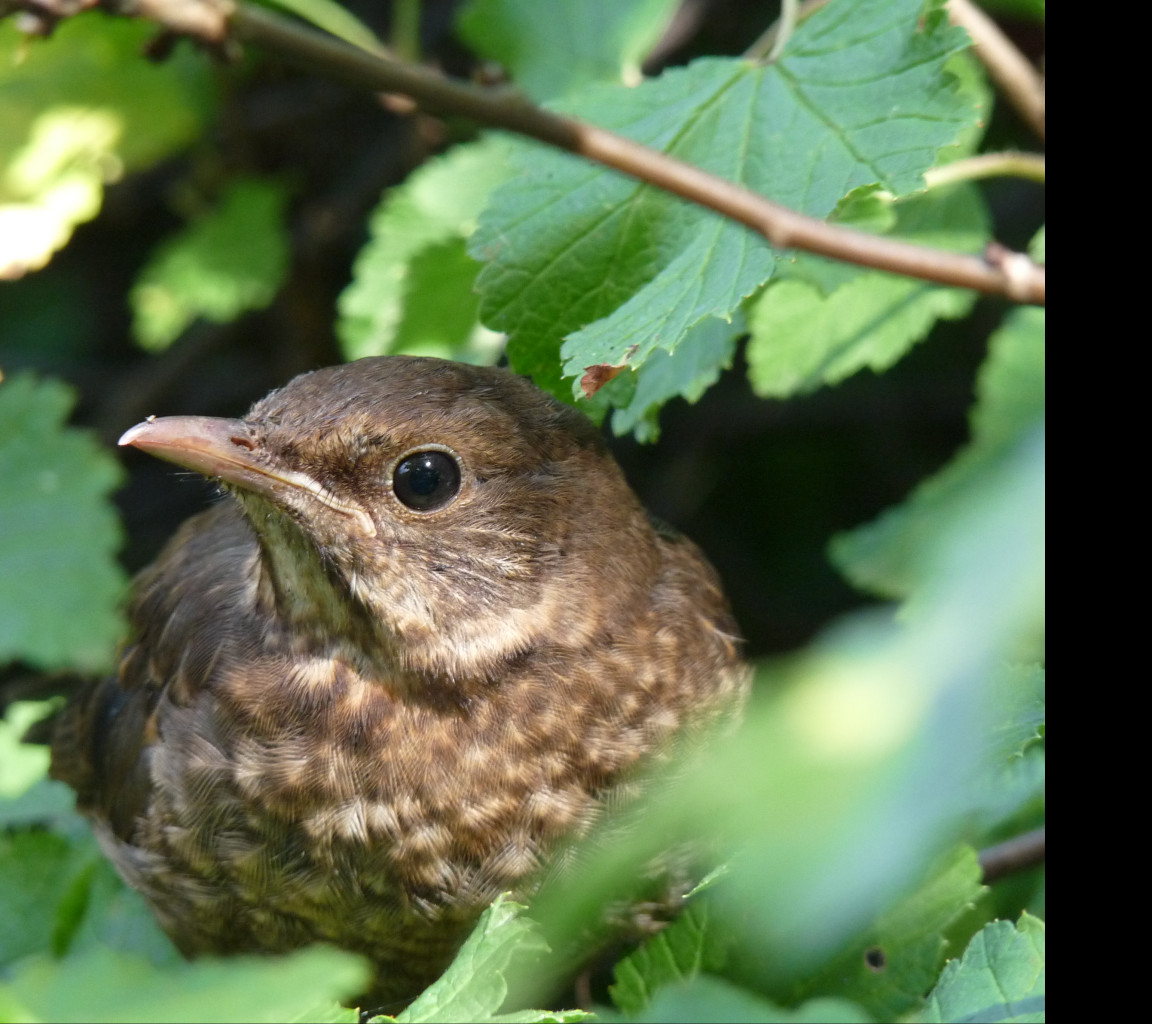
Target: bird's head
{"type": "Point", "coordinates": [442, 516]}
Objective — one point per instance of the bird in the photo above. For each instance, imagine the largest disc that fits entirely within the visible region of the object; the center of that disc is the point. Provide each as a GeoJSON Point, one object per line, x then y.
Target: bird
{"type": "Point", "coordinates": [426, 639]}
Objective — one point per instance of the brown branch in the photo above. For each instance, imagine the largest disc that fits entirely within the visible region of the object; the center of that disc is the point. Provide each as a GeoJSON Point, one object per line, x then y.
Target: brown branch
{"type": "Point", "coordinates": [1012, 72]}
{"type": "Point", "coordinates": [999, 272]}
{"type": "Point", "coordinates": [1016, 854]}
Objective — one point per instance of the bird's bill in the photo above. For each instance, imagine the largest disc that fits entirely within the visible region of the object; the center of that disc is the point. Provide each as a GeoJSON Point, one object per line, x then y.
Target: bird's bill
{"type": "Point", "coordinates": [226, 449]}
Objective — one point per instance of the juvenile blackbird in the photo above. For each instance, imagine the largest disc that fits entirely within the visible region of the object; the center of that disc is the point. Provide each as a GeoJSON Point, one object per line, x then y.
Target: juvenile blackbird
{"type": "Point", "coordinates": [432, 636]}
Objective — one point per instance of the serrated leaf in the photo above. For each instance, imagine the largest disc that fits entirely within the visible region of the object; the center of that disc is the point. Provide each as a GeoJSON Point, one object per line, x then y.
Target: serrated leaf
{"type": "Point", "coordinates": [889, 968]}
{"type": "Point", "coordinates": [885, 555]}
{"type": "Point", "coordinates": [59, 581]}
{"type": "Point", "coordinates": [412, 285]}
{"type": "Point", "coordinates": [77, 111]}
{"type": "Point", "coordinates": [103, 984]}
{"type": "Point", "coordinates": [229, 261]}
{"type": "Point", "coordinates": [553, 48]}
{"type": "Point", "coordinates": [695, 366]}
{"type": "Point", "coordinates": [475, 986]}
{"type": "Point", "coordinates": [622, 269]}
{"type": "Point", "coordinates": [674, 955]}
{"type": "Point", "coordinates": [711, 999]}
{"type": "Point", "coordinates": [1001, 977]}
{"type": "Point", "coordinates": [803, 339]}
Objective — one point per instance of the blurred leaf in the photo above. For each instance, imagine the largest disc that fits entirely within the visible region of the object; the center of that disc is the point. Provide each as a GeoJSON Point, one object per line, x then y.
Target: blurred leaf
{"type": "Point", "coordinates": [710, 999]}
{"type": "Point", "coordinates": [621, 269]}
{"type": "Point", "coordinates": [1012, 777]}
{"type": "Point", "coordinates": [554, 48]}
{"type": "Point", "coordinates": [232, 260]}
{"type": "Point", "coordinates": [59, 581]}
{"type": "Point", "coordinates": [803, 339]}
{"type": "Point", "coordinates": [102, 912]}
{"type": "Point", "coordinates": [855, 768]}
{"type": "Point", "coordinates": [21, 764]}
{"type": "Point", "coordinates": [1000, 978]}
{"type": "Point", "coordinates": [888, 969]}
{"type": "Point", "coordinates": [884, 555]}
{"type": "Point", "coordinates": [106, 985]}
{"type": "Point", "coordinates": [475, 986]}
{"type": "Point", "coordinates": [334, 19]}
{"type": "Point", "coordinates": [77, 111]}
{"type": "Point", "coordinates": [36, 869]}
{"type": "Point", "coordinates": [412, 284]}
{"type": "Point", "coordinates": [1036, 246]}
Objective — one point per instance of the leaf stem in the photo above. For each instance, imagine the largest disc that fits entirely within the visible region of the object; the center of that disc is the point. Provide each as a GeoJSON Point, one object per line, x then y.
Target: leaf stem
{"type": "Point", "coordinates": [1009, 164]}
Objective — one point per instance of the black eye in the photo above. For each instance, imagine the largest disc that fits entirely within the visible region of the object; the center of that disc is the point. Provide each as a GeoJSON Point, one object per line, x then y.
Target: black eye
{"type": "Point", "coordinates": [426, 480]}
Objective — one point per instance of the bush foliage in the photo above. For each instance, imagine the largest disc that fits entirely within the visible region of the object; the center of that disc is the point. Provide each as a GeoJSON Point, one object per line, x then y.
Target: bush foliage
{"type": "Point", "coordinates": [875, 761]}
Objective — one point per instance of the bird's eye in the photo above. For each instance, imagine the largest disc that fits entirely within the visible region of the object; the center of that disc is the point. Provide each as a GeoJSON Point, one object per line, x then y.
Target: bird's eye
{"type": "Point", "coordinates": [426, 481]}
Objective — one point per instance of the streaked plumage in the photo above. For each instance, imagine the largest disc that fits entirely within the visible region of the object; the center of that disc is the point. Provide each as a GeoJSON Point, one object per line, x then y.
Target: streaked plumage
{"type": "Point", "coordinates": [343, 718]}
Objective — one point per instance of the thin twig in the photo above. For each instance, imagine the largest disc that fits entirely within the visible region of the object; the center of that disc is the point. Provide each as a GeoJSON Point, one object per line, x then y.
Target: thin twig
{"type": "Point", "coordinates": [999, 272]}
{"type": "Point", "coordinates": [1012, 72]}
{"type": "Point", "coordinates": [1016, 854]}
{"type": "Point", "coordinates": [784, 228]}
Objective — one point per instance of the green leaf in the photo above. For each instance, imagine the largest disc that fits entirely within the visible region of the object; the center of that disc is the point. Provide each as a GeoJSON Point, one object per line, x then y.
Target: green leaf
{"type": "Point", "coordinates": [676, 954]}
{"type": "Point", "coordinates": [36, 868]}
{"type": "Point", "coordinates": [229, 261]}
{"type": "Point", "coordinates": [803, 339]}
{"type": "Point", "coordinates": [554, 48]}
{"type": "Point", "coordinates": [1012, 776]}
{"type": "Point", "coordinates": [1001, 977]}
{"type": "Point", "coordinates": [77, 111]}
{"type": "Point", "coordinates": [621, 270]}
{"type": "Point", "coordinates": [694, 367]}
{"type": "Point", "coordinates": [412, 285]}
{"type": "Point", "coordinates": [885, 555]}
{"type": "Point", "coordinates": [59, 581]}
{"type": "Point", "coordinates": [1036, 246]}
{"type": "Point", "coordinates": [106, 985]}
{"type": "Point", "coordinates": [334, 19]}
{"type": "Point", "coordinates": [890, 967]}
{"type": "Point", "coordinates": [710, 999]}
{"type": "Point", "coordinates": [475, 986]}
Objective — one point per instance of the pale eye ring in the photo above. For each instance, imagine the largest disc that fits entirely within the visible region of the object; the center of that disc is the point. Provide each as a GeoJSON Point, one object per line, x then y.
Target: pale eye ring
{"type": "Point", "coordinates": [426, 481]}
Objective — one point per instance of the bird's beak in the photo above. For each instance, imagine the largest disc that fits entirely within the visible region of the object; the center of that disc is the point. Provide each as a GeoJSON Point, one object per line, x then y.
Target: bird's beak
{"type": "Point", "coordinates": [227, 449]}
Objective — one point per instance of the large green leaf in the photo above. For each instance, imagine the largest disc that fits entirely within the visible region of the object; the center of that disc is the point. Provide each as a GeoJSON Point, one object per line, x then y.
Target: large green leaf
{"type": "Point", "coordinates": [552, 48]}
{"type": "Point", "coordinates": [1001, 977]}
{"type": "Point", "coordinates": [59, 581]}
{"type": "Point", "coordinates": [621, 270]}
